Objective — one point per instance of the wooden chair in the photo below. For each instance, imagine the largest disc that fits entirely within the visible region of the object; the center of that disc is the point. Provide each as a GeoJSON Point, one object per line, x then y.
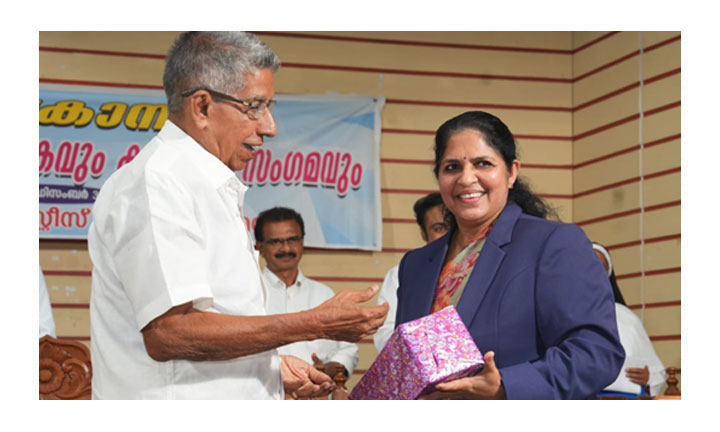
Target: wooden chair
{"type": "Point", "coordinates": [672, 391]}
{"type": "Point", "coordinates": [65, 369]}
{"type": "Point", "coordinates": [672, 382]}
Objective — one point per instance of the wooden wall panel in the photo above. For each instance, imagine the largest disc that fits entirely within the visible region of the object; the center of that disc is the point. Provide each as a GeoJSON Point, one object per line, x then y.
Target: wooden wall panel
{"type": "Point", "coordinates": [477, 90]}
{"type": "Point", "coordinates": [613, 231]}
{"type": "Point", "coordinates": [606, 52]}
{"type": "Point", "coordinates": [343, 263]}
{"type": "Point", "coordinates": [546, 152]}
{"type": "Point", "coordinates": [662, 321]}
{"type": "Point", "coordinates": [563, 207]}
{"type": "Point", "coordinates": [400, 205]}
{"type": "Point", "coordinates": [661, 125]}
{"type": "Point", "coordinates": [72, 322]}
{"type": "Point", "coordinates": [606, 202]}
{"type": "Point", "coordinates": [548, 181]}
{"type": "Point", "coordinates": [126, 41]}
{"type": "Point", "coordinates": [68, 289]}
{"type": "Point", "coordinates": [419, 58]}
{"type": "Point", "coordinates": [407, 176]}
{"type": "Point", "coordinates": [664, 58]}
{"type": "Point", "coordinates": [407, 146]}
{"type": "Point", "coordinates": [470, 91]}
{"type": "Point", "coordinates": [669, 352]}
{"type": "Point", "coordinates": [656, 191]}
{"type": "Point", "coordinates": [650, 38]}
{"type": "Point", "coordinates": [582, 38]}
{"type": "Point", "coordinates": [662, 222]}
{"type": "Point", "coordinates": [312, 81]}
{"type": "Point", "coordinates": [605, 142]}
{"type": "Point", "coordinates": [622, 229]}
{"type": "Point", "coordinates": [660, 93]}
{"type": "Point", "coordinates": [520, 122]}
{"type": "Point", "coordinates": [101, 68]}
{"type": "Point", "coordinates": [558, 40]}
{"type": "Point", "coordinates": [661, 190]}
{"type": "Point", "coordinates": [658, 288]}
{"type": "Point", "coordinates": [606, 112]}
{"type": "Point", "coordinates": [661, 157]}
{"type": "Point", "coordinates": [605, 172]}
{"type": "Point", "coordinates": [69, 256]}
{"type": "Point", "coordinates": [656, 256]}
{"type": "Point", "coordinates": [401, 236]}
{"type": "Point", "coordinates": [606, 81]}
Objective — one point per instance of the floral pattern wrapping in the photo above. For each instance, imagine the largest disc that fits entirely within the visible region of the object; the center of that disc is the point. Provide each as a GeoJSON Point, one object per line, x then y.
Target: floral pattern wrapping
{"type": "Point", "coordinates": [420, 354]}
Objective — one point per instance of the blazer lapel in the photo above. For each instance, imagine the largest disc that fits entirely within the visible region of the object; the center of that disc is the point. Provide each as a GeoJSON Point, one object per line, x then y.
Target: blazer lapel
{"type": "Point", "coordinates": [425, 277]}
{"type": "Point", "coordinates": [488, 263]}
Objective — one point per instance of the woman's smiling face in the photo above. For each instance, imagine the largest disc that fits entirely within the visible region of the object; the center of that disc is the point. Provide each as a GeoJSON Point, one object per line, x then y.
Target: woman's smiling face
{"type": "Point", "coordinates": [473, 179]}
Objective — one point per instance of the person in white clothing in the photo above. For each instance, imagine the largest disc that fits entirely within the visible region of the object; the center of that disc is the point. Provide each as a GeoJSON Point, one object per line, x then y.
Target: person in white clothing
{"type": "Point", "coordinates": [430, 218]}
{"type": "Point", "coordinates": [177, 307]}
{"type": "Point", "coordinates": [279, 237]}
{"type": "Point", "coordinates": [634, 338]}
{"type": "Point", "coordinates": [47, 322]}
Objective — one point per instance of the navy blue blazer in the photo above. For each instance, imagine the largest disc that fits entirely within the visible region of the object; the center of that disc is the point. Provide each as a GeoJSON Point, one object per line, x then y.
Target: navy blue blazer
{"type": "Point", "coordinates": [537, 296]}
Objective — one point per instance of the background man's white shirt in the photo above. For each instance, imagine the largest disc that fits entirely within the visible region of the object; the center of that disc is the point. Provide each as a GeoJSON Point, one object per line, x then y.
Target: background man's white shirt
{"type": "Point", "coordinates": [306, 294]}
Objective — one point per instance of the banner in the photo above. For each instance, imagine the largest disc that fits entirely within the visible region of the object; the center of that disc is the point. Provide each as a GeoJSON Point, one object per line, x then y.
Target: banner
{"type": "Point", "coordinates": [324, 161]}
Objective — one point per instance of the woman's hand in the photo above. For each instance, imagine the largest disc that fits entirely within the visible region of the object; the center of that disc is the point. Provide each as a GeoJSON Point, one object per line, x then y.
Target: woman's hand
{"type": "Point", "coordinates": [485, 385]}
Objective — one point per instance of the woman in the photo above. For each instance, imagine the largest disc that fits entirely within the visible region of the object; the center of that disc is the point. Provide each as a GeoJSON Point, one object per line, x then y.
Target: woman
{"type": "Point", "coordinates": [530, 291]}
{"type": "Point", "coordinates": [634, 339]}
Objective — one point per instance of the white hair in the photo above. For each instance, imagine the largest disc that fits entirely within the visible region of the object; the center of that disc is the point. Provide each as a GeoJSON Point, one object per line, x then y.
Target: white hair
{"type": "Point", "coordinates": [217, 60]}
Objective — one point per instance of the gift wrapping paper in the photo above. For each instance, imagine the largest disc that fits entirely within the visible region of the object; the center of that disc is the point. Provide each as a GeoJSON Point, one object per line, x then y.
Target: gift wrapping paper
{"type": "Point", "coordinates": [420, 354]}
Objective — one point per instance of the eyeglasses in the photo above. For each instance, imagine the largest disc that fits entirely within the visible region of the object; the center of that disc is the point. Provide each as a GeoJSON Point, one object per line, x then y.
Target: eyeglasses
{"type": "Point", "coordinates": [291, 241]}
{"type": "Point", "coordinates": [253, 108]}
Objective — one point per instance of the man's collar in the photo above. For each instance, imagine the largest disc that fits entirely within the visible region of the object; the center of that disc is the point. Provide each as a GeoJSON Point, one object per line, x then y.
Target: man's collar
{"type": "Point", "coordinates": [273, 279]}
{"type": "Point", "coordinates": [216, 172]}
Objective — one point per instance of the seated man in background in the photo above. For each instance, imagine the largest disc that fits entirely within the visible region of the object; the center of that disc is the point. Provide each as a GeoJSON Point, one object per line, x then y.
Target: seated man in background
{"type": "Point", "coordinates": [431, 219]}
{"type": "Point", "coordinates": [279, 234]}
{"type": "Point", "coordinates": [634, 339]}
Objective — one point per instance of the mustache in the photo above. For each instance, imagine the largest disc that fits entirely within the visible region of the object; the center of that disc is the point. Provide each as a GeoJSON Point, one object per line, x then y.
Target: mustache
{"type": "Point", "coordinates": [282, 255]}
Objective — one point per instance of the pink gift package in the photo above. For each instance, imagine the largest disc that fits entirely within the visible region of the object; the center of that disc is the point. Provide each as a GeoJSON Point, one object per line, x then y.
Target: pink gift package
{"type": "Point", "coordinates": [420, 354]}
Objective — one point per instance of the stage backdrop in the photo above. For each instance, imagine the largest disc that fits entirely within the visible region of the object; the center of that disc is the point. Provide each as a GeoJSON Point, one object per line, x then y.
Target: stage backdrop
{"type": "Point", "coordinates": [324, 161]}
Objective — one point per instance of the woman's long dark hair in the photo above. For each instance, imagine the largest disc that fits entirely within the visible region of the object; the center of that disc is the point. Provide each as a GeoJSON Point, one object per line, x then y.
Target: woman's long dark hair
{"type": "Point", "coordinates": [500, 138]}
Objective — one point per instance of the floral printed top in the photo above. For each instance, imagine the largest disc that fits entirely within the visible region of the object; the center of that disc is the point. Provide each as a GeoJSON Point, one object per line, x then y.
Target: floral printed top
{"type": "Point", "coordinates": [455, 274]}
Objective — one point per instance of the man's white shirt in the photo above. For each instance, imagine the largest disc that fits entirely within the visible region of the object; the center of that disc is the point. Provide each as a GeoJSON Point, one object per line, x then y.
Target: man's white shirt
{"type": "Point", "coordinates": [388, 294]}
{"type": "Point", "coordinates": [168, 229]}
{"type": "Point", "coordinates": [638, 349]}
{"type": "Point", "coordinates": [302, 295]}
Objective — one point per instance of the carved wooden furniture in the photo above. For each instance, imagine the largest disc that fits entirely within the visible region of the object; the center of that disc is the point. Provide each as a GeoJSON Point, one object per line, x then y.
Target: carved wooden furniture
{"type": "Point", "coordinates": [65, 369]}
{"type": "Point", "coordinates": [672, 388]}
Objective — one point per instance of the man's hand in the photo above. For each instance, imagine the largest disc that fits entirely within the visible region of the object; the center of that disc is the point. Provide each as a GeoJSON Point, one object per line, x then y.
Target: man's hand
{"type": "Point", "coordinates": [340, 318]}
{"type": "Point", "coordinates": [485, 385]}
{"type": "Point", "coordinates": [330, 368]}
{"type": "Point", "coordinates": [638, 375]}
{"type": "Point", "coordinates": [301, 380]}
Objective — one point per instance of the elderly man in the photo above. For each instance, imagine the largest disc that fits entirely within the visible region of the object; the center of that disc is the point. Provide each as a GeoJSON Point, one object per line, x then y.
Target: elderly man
{"type": "Point", "coordinates": [279, 237]}
{"type": "Point", "coordinates": [431, 220]}
{"type": "Point", "coordinates": [177, 305]}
